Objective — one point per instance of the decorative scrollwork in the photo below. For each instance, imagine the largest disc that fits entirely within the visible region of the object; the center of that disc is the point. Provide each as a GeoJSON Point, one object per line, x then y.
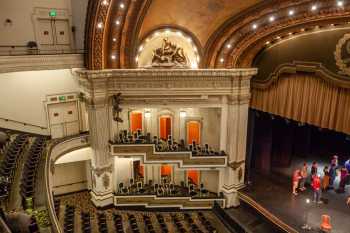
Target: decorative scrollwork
{"type": "Point", "coordinates": [342, 54]}
{"type": "Point", "coordinates": [169, 56]}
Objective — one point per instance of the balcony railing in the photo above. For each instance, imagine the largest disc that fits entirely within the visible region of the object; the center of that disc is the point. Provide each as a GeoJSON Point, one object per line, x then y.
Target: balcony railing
{"type": "Point", "coordinates": [20, 51]}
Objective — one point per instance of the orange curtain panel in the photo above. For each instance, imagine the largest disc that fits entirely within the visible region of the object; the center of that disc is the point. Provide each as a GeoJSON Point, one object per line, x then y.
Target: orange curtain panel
{"type": "Point", "coordinates": [193, 176]}
{"type": "Point", "coordinates": [165, 170]}
{"type": "Point", "coordinates": [193, 132]}
{"type": "Point", "coordinates": [165, 127]}
{"type": "Point", "coordinates": [135, 121]}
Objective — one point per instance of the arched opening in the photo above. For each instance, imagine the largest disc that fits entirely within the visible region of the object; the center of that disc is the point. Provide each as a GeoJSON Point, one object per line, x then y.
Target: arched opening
{"type": "Point", "coordinates": [166, 173]}
{"type": "Point", "coordinates": [165, 126]}
{"type": "Point", "coordinates": [193, 132]}
{"type": "Point", "coordinates": [193, 177]}
{"type": "Point", "coordinates": [136, 121]}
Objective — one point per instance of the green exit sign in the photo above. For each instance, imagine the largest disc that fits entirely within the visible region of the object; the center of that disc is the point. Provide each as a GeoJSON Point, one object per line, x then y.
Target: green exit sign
{"type": "Point", "coordinates": [62, 98]}
{"type": "Point", "coordinates": [53, 13]}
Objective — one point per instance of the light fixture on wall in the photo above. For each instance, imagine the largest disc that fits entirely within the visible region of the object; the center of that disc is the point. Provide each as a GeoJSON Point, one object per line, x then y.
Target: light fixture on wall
{"type": "Point", "coordinates": [8, 22]}
{"type": "Point", "coordinates": [147, 114]}
{"type": "Point", "coordinates": [183, 114]}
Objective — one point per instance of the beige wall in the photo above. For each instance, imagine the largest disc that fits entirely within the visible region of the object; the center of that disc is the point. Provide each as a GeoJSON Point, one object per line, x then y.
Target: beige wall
{"type": "Point", "coordinates": [21, 13]}
{"type": "Point", "coordinates": [23, 95]}
{"type": "Point", "coordinates": [210, 179]}
{"type": "Point", "coordinates": [70, 177]}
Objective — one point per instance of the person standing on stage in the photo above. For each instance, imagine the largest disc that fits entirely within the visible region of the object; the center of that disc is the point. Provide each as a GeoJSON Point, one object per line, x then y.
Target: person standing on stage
{"type": "Point", "coordinates": [348, 201]}
{"type": "Point", "coordinates": [313, 170]}
{"type": "Point", "coordinates": [316, 185]}
{"type": "Point", "coordinates": [303, 173]}
{"type": "Point", "coordinates": [296, 178]}
{"type": "Point", "coordinates": [325, 179]}
{"type": "Point", "coordinates": [332, 174]}
{"type": "Point", "coordinates": [335, 161]}
{"type": "Point", "coordinates": [347, 165]}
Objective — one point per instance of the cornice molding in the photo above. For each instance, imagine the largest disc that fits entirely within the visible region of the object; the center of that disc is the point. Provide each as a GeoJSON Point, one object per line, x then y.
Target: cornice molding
{"type": "Point", "coordinates": [171, 86]}
{"type": "Point", "coordinates": [40, 62]}
{"type": "Point", "coordinates": [308, 67]}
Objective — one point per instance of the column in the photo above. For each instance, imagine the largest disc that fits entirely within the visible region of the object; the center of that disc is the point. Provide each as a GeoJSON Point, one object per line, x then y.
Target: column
{"type": "Point", "coordinates": [102, 166]}
{"type": "Point", "coordinates": [223, 124]}
{"type": "Point", "coordinates": [233, 175]}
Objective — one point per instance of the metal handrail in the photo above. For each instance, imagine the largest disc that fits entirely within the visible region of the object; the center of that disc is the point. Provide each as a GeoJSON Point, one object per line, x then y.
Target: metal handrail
{"type": "Point", "coordinates": [23, 123]}
{"type": "Point", "coordinates": [29, 51]}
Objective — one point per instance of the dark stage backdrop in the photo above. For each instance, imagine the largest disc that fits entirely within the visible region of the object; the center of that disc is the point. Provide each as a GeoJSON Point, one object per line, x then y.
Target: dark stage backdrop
{"type": "Point", "coordinates": [276, 141]}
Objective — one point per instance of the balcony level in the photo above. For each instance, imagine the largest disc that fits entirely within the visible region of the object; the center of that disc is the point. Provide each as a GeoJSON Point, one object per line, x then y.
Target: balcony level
{"type": "Point", "coordinates": [185, 159]}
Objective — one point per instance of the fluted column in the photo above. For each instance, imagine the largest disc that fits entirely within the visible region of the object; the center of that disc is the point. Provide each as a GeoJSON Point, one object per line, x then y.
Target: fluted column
{"type": "Point", "coordinates": [101, 164]}
{"type": "Point", "coordinates": [237, 124]}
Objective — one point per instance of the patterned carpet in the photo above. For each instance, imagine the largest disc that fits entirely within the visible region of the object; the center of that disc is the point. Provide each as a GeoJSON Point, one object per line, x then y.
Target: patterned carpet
{"type": "Point", "coordinates": [81, 202]}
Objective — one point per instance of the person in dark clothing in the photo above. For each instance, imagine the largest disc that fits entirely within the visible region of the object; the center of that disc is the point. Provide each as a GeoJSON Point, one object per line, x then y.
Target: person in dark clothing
{"type": "Point", "coordinates": [332, 175]}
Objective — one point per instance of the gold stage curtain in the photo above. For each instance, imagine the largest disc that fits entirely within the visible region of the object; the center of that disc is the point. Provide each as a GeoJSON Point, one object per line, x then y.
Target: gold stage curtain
{"type": "Point", "coordinates": [306, 98]}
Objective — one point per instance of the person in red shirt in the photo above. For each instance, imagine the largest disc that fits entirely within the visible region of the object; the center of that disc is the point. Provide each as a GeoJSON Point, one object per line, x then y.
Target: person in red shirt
{"type": "Point", "coordinates": [296, 178]}
{"type": "Point", "coordinates": [316, 185]}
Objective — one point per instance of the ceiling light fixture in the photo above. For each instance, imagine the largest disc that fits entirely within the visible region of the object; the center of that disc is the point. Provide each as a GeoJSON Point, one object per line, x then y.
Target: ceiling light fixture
{"type": "Point", "coordinates": [113, 57]}
{"type": "Point", "coordinates": [291, 12]}
{"type": "Point", "coordinates": [272, 18]}
{"type": "Point", "coordinates": [314, 7]}
{"type": "Point", "coordinates": [114, 39]}
{"type": "Point", "coordinates": [255, 26]}
{"type": "Point", "coordinates": [121, 5]}
{"type": "Point", "coordinates": [117, 22]}
{"type": "Point", "coordinates": [222, 60]}
{"type": "Point", "coordinates": [228, 46]}
{"type": "Point", "coordinates": [99, 25]}
{"type": "Point", "coordinates": [105, 2]}
{"type": "Point", "coordinates": [340, 3]}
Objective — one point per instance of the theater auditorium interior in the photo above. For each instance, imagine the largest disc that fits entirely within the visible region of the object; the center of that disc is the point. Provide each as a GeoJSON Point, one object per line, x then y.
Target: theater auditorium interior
{"type": "Point", "coordinates": [174, 116]}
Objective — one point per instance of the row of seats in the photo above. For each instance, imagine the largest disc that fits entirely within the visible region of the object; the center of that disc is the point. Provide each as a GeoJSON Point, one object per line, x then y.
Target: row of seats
{"type": "Point", "coordinates": [133, 224]}
{"type": "Point", "coordinates": [69, 215]}
{"type": "Point", "coordinates": [10, 162]}
{"type": "Point", "coordinates": [178, 223]}
{"type": "Point", "coordinates": [148, 224]}
{"type": "Point", "coordinates": [102, 223]}
{"type": "Point", "coordinates": [85, 222]}
{"type": "Point", "coordinates": [207, 224]}
{"type": "Point", "coordinates": [166, 189]}
{"type": "Point", "coordinates": [30, 167]}
{"type": "Point", "coordinates": [194, 227]}
{"type": "Point", "coordinates": [166, 145]}
{"type": "Point", "coordinates": [57, 203]}
{"type": "Point", "coordinates": [161, 221]}
{"type": "Point", "coordinates": [118, 223]}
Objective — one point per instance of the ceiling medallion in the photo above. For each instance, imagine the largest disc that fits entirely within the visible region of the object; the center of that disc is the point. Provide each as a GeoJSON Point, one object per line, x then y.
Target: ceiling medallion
{"type": "Point", "coordinates": [169, 55]}
{"type": "Point", "coordinates": [342, 54]}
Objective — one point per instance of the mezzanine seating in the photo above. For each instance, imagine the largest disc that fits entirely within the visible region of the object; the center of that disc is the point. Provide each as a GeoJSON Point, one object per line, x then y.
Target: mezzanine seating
{"type": "Point", "coordinates": [30, 167]}
{"type": "Point", "coordinates": [148, 224]}
{"type": "Point", "coordinates": [133, 224]}
{"type": "Point", "coordinates": [69, 215]}
{"type": "Point", "coordinates": [102, 222]}
{"type": "Point", "coordinates": [178, 224]}
{"type": "Point", "coordinates": [9, 163]}
{"type": "Point", "coordinates": [85, 222]}
{"type": "Point", "coordinates": [206, 223]}
{"type": "Point", "coordinates": [162, 224]}
{"type": "Point", "coordinates": [118, 223]}
{"type": "Point", "coordinates": [57, 204]}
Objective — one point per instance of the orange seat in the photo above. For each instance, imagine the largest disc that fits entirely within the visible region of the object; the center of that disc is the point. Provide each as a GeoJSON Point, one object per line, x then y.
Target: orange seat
{"type": "Point", "coordinates": [326, 223]}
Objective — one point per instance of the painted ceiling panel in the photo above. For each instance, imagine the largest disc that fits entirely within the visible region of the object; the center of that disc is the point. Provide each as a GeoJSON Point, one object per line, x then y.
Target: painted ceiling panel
{"type": "Point", "coordinates": [201, 17]}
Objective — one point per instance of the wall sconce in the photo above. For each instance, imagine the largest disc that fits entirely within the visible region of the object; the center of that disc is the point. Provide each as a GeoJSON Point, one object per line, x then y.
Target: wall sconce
{"type": "Point", "coordinates": [183, 114]}
{"type": "Point", "coordinates": [147, 114]}
{"type": "Point", "coordinates": [8, 22]}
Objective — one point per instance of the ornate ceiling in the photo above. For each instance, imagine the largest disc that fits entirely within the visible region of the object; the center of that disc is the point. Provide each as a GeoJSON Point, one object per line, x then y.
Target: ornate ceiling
{"type": "Point", "coordinates": [230, 32]}
{"type": "Point", "coordinates": [201, 17]}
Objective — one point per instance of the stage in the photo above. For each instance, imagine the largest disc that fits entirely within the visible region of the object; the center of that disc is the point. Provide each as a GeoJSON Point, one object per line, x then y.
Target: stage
{"type": "Point", "coordinates": [273, 193]}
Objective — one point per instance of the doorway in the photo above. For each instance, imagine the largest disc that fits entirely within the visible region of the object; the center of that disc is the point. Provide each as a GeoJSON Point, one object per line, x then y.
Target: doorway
{"type": "Point", "coordinates": [136, 121]}
{"type": "Point", "coordinates": [63, 119]}
{"type": "Point", "coordinates": [193, 132]}
{"type": "Point", "coordinates": [165, 127]}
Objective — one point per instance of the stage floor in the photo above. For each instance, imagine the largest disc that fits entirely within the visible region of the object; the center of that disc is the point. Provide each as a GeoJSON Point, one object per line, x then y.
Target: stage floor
{"type": "Point", "coordinates": [273, 192]}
